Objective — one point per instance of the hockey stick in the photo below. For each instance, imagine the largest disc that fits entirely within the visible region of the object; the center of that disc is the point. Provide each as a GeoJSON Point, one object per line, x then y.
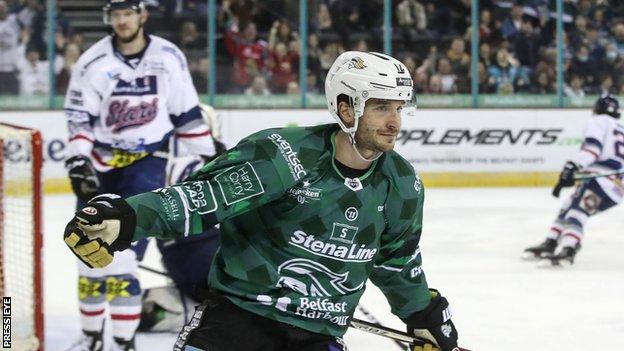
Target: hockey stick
{"type": "Point", "coordinates": [583, 176]}
{"type": "Point", "coordinates": [388, 332]}
{"type": "Point", "coordinates": [152, 270]}
{"type": "Point", "coordinates": [374, 320]}
{"type": "Point", "coordinates": [586, 176]}
{"type": "Point", "coordinates": [383, 331]}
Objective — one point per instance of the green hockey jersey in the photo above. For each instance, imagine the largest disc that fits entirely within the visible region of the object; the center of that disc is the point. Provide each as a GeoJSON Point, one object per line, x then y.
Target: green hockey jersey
{"type": "Point", "coordinates": [298, 239]}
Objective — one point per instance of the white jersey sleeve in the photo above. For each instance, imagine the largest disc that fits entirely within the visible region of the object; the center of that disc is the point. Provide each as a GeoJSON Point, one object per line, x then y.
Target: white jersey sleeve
{"type": "Point", "coordinates": [82, 105]}
{"type": "Point", "coordinates": [185, 113]}
{"type": "Point", "coordinates": [603, 151]}
{"type": "Point", "coordinates": [182, 97]}
{"type": "Point", "coordinates": [596, 141]}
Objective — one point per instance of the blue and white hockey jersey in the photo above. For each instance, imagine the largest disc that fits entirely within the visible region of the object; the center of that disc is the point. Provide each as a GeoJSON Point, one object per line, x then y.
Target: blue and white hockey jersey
{"type": "Point", "coordinates": [603, 151]}
{"type": "Point", "coordinates": [120, 111]}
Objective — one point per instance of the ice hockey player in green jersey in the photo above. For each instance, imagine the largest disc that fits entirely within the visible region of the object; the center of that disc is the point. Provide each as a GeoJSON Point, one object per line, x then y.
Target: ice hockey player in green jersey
{"type": "Point", "coordinates": [307, 215]}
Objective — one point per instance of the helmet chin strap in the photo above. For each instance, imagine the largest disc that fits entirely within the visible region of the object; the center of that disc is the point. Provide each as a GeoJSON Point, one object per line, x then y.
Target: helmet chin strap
{"type": "Point", "coordinates": [360, 155]}
{"type": "Point", "coordinates": [351, 135]}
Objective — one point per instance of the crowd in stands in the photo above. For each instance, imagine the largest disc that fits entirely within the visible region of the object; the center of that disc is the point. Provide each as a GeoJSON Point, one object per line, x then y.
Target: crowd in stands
{"type": "Point", "coordinates": [24, 66]}
{"type": "Point", "coordinates": [259, 47]}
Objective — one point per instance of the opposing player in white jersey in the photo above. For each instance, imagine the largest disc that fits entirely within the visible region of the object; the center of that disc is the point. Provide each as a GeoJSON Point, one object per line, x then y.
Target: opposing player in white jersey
{"type": "Point", "coordinates": [129, 93]}
{"type": "Point", "coordinates": [602, 152]}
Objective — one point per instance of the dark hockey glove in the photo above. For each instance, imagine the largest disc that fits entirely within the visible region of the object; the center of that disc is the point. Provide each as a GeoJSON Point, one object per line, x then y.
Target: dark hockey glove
{"type": "Point", "coordinates": [566, 177]}
{"type": "Point", "coordinates": [433, 324]}
{"type": "Point", "coordinates": [219, 149]}
{"type": "Point", "coordinates": [105, 225]}
{"type": "Point", "coordinates": [84, 179]}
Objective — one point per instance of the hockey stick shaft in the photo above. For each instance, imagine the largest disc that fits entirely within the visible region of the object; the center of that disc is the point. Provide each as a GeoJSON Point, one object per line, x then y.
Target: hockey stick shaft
{"type": "Point", "coordinates": [585, 176]}
{"type": "Point", "coordinates": [383, 331]}
{"type": "Point", "coordinates": [387, 332]}
{"type": "Point", "coordinates": [374, 320]}
{"type": "Point", "coordinates": [152, 270]}
{"type": "Point", "coordinates": [582, 176]}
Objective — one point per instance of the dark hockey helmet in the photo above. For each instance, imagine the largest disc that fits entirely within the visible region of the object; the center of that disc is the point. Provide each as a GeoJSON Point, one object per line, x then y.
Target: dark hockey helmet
{"type": "Point", "coordinates": [136, 5]}
{"type": "Point", "coordinates": [607, 105]}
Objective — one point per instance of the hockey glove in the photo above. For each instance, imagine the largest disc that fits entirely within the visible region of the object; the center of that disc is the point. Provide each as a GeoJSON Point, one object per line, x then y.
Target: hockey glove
{"type": "Point", "coordinates": [104, 226]}
{"type": "Point", "coordinates": [84, 179]}
{"type": "Point", "coordinates": [566, 177]}
{"type": "Point", "coordinates": [219, 149]}
{"type": "Point", "coordinates": [434, 325]}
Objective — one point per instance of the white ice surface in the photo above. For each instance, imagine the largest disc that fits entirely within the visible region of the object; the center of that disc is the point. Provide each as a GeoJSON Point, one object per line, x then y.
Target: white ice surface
{"type": "Point", "coordinates": [471, 243]}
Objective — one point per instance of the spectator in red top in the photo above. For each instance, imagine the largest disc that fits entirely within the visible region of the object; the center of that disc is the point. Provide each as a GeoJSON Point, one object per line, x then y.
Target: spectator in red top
{"type": "Point", "coordinates": [249, 54]}
{"type": "Point", "coordinates": [281, 66]}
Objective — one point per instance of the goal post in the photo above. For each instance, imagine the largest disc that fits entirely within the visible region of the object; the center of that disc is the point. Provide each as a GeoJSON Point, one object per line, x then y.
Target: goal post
{"type": "Point", "coordinates": [21, 244]}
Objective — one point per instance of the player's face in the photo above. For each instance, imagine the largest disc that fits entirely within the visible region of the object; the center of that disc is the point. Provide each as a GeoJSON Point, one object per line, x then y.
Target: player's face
{"type": "Point", "coordinates": [379, 125]}
{"type": "Point", "coordinates": [126, 24]}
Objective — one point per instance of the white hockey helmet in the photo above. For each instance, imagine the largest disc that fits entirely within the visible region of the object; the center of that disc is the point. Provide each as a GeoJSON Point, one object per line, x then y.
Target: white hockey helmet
{"type": "Point", "coordinates": [365, 75]}
{"type": "Point", "coordinates": [136, 5]}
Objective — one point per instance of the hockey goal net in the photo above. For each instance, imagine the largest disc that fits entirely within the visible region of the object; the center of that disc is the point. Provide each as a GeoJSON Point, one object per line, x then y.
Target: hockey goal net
{"type": "Point", "coordinates": [20, 238]}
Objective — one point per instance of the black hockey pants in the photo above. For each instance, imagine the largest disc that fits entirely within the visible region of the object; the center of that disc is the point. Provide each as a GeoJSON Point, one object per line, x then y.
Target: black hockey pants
{"type": "Point", "coordinates": [219, 325]}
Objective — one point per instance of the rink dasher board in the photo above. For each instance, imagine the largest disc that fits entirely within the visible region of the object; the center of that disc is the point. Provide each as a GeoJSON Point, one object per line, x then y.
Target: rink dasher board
{"type": "Point", "coordinates": [451, 147]}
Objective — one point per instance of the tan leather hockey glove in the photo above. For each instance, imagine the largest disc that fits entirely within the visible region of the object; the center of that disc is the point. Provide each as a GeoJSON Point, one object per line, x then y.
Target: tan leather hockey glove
{"type": "Point", "coordinates": [103, 226]}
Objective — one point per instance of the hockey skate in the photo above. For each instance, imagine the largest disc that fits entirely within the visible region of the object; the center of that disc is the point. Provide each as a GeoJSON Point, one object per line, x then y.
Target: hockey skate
{"type": "Point", "coordinates": [123, 345]}
{"type": "Point", "coordinates": [89, 341]}
{"type": "Point", "coordinates": [564, 257]}
{"type": "Point", "coordinates": [538, 251]}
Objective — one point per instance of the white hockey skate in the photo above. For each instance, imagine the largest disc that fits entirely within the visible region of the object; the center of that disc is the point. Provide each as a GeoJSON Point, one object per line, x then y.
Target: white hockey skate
{"type": "Point", "coordinates": [88, 341]}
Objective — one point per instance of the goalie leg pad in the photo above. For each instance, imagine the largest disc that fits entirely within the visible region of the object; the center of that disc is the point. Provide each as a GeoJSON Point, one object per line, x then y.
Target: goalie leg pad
{"type": "Point", "coordinates": [165, 309]}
